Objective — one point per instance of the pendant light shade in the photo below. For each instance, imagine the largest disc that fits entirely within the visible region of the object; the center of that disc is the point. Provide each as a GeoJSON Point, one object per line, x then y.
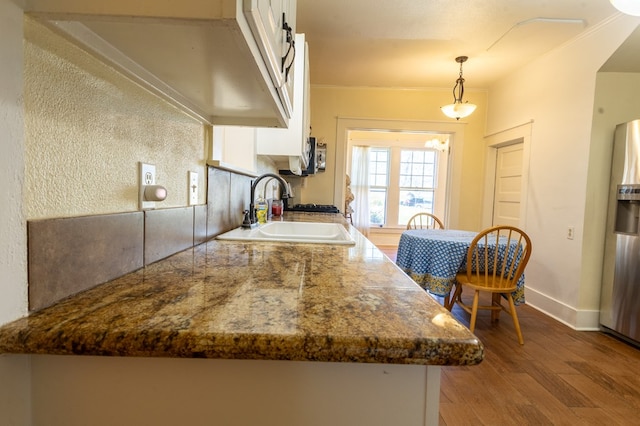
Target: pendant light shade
{"type": "Point", "coordinates": [629, 7]}
{"type": "Point", "coordinates": [458, 109]}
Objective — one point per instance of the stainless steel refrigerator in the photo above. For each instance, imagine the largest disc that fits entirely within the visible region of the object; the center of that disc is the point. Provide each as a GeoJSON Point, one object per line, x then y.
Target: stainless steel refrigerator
{"type": "Point", "coordinates": [620, 298]}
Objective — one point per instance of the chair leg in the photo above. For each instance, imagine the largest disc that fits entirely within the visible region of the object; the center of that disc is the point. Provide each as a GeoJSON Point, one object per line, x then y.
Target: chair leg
{"type": "Point", "coordinates": [474, 310]}
{"type": "Point", "coordinates": [516, 324]}
{"type": "Point", "coordinates": [453, 296]}
{"type": "Point", "coordinates": [495, 301]}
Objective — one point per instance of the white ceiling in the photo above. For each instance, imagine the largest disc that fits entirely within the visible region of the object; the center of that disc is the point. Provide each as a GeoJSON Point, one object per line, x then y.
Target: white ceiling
{"type": "Point", "coordinates": [414, 43]}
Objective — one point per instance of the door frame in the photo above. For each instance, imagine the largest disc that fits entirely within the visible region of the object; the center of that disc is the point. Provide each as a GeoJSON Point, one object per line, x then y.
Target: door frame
{"type": "Point", "coordinates": [518, 134]}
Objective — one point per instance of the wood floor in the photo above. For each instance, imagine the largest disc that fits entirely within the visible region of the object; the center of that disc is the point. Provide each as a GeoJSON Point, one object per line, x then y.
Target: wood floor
{"type": "Point", "coordinates": [558, 377]}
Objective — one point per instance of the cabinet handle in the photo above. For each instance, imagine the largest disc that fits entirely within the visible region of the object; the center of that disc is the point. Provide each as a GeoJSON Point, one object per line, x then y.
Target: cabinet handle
{"type": "Point", "coordinates": [292, 46]}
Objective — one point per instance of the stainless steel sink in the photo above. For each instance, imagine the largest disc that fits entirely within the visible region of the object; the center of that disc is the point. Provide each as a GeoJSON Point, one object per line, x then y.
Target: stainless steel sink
{"type": "Point", "coordinates": [296, 232]}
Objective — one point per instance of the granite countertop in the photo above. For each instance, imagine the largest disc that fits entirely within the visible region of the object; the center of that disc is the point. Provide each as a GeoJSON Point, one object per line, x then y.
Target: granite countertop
{"type": "Point", "coordinates": [257, 300]}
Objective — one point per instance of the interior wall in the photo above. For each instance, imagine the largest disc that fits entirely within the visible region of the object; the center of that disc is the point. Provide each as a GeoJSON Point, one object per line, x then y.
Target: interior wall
{"type": "Point", "coordinates": [87, 127]}
{"type": "Point", "coordinates": [13, 250]}
{"type": "Point", "coordinates": [556, 91]}
{"type": "Point", "coordinates": [330, 103]}
{"type": "Point", "coordinates": [15, 370]}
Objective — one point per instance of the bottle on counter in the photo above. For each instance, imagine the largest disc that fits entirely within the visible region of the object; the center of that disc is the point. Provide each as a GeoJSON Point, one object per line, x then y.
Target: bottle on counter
{"type": "Point", "coordinates": [261, 210]}
{"type": "Point", "coordinates": [276, 208]}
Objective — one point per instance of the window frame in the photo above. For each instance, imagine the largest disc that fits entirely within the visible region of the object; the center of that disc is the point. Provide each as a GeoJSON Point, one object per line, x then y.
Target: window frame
{"type": "Point", "coordinates": [393, 190]}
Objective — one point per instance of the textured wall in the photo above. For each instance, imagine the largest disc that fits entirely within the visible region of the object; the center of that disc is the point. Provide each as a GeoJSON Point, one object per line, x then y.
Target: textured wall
{"type": "Point", "coordinates": [87, 127]}
{"type": "Point", "coordinates": [13, 251]}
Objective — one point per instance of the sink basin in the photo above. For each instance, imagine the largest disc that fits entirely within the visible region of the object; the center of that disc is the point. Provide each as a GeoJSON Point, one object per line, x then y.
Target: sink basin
{"type": "Point", "coordinates": [297, 232]}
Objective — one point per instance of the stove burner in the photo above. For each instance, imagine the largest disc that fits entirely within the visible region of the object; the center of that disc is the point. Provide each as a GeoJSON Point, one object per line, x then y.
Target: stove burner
{"type": "Point", "coordinates": [315, 208]}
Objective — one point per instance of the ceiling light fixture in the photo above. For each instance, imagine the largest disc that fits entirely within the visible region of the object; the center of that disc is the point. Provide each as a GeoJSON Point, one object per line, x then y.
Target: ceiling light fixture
{"type": "Point", "coordinates": [438, 143]}
{"type": "Point", "coordinates": [458, 109]}
{"type": "Point", "coordinates": [629, 7]}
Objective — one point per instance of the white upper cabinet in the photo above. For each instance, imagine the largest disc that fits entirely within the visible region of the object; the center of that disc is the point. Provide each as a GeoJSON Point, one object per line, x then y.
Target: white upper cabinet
{"type": "Point", "coordinates": [209, 57]}
{"type": "Point", "coordinates": [273, 25]}
{"type": "Point", "coordinates": [234, 148]}
{"type": "Point", "coordinates": [292, 145]}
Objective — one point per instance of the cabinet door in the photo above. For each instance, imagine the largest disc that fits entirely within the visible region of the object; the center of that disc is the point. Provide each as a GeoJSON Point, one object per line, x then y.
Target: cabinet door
{"type": "Point", "coordinates": [292, 144]}
{"type": "Point", "coordinates": [272, 23]}
{"type": "Point", "coordinates": [234, 147]}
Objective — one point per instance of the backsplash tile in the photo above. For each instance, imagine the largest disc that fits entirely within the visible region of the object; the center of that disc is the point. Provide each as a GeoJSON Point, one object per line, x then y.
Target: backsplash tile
{"type": "Point", "coordinates": [238, 199]}
{"type": "Point", "coordinates": [218, 189]}
{"type": "Point", "coordinates": [199, 224]}
{"type": "Point", "coordinates": [166, 232]}
{"type": "Point", "coordinates": [227, 197]}
{"type": "Point", "coordinates": [69, 255]}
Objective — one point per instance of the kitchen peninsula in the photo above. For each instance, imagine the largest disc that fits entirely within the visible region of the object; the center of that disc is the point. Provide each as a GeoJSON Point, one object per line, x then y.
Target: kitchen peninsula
{"type": "Point", "coordinates": [259, 312]}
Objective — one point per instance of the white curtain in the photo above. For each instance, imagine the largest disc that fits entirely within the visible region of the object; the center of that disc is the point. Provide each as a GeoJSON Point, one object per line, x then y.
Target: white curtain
{"type": "Point", "coordinates": [360, 188]}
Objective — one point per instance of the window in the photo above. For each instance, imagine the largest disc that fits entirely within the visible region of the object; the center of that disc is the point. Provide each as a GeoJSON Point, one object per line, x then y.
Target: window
{"type": "Point", "coordinates": [378, 184]}
{"type": "Point", "coordinates": [402, 182]}
{"type": "Point", "coordinates": [417, 177]}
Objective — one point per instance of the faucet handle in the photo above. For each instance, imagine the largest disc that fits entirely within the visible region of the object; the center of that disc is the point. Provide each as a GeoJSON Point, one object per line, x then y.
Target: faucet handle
{"type": "Point", "coordinates": [246, 222]}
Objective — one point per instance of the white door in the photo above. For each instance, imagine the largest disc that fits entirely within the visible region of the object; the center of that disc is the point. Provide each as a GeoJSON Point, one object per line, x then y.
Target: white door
{"type": "Point", "coordinates": [508, 185]}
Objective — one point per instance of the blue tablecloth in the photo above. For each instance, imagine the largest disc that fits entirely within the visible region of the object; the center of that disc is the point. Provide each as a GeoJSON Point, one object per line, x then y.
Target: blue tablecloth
{"type": "Point", "coordinates": [433, 257]}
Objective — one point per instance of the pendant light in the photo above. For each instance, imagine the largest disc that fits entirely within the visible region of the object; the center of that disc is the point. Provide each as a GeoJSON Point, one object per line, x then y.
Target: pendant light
{"type": "Point", "coordinates": [458, 109]}
{"type": "Point", "coordinates": [629, 7]}
{"type": "Point", "coordinates": [439, 143]}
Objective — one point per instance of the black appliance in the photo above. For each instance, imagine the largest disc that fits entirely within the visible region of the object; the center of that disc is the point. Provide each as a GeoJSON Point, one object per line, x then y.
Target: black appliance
{"type": "Point", "coordinates": [312, 168]}
{"type": "Point", "coordinates": [312, 208]}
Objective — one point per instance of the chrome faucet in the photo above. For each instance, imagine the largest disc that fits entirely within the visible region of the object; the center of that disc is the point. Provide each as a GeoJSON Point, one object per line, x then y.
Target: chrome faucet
{"type": "Point", "coordinates": [251, 214]}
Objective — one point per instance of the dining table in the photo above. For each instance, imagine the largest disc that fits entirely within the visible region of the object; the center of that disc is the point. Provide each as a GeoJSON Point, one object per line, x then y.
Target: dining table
{"type": "Point", "coordinates": [433, 257]}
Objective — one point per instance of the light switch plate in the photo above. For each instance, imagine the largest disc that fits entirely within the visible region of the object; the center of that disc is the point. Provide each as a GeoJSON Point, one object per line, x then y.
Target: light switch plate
{"type": "Point", "coordinates": [146, 176]}
{"type": "Point", "coordinates": [193, 188]}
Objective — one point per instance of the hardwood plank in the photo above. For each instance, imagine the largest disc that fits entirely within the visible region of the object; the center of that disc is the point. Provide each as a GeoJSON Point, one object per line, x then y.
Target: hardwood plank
{"type": "Point", "coordinates": [611, 383]}
{"type": "Point", "coordinates": [598, 395]}
{"type": "Point", "coordinates": [597, 416]}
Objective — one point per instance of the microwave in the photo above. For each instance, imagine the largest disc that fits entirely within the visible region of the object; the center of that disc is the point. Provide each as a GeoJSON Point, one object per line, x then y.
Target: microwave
{"type": "Point", "coordinates": [317, 159]}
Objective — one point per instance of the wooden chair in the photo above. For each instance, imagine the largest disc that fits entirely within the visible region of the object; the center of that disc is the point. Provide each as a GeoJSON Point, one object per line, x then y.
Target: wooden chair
{"type": "Point", "coordinates": [424, 221]}
{"type": "Point", "coordinates": [501, 276]}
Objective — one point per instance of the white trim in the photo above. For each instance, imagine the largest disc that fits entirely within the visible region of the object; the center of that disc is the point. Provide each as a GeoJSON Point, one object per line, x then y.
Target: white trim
{"type": "Point", "coordinates": [432, 398]}
{"type": "Point", "coordinates": [518, 134]}
{"type": "Point", "coordinates": [581, 320]}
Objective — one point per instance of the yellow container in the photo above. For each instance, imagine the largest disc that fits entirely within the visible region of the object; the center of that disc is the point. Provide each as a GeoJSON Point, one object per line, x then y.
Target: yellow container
{"type": "Point", "coordinates": [261, 210]}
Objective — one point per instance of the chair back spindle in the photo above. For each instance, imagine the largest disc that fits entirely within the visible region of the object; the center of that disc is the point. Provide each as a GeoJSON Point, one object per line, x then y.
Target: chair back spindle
{"type": "Point", "coordinates": [424, 220]}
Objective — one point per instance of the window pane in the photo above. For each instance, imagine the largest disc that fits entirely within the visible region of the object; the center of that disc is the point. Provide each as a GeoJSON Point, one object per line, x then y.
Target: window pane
{"type": "Point", "coordinates": [417, 183]}
{"type": "Point", "coordinates": [412, 202]}
{"type": "Point", "coordinates": [378, 182]}
{"type": "Point", "coordinates": [377, 206]}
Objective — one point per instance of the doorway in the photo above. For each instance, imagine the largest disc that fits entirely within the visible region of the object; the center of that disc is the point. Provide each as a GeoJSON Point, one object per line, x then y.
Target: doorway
{"type": "Point", "coordinates": [506, 181]}
{"type": "Point", "coordinates": [508, 185]}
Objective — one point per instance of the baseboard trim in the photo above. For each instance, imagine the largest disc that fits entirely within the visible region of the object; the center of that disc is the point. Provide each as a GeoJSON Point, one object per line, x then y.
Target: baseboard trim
{"type": "Point", "coordinates": [580, 320]}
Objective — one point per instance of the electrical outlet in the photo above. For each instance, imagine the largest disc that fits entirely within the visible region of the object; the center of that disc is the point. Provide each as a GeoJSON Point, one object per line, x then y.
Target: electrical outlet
{"type": "Point", "coordinates": [193, 188]}
{"type": "Point", "coordinates": [571, 231]}
{"type": "Point", "coordinates": [147, 176]}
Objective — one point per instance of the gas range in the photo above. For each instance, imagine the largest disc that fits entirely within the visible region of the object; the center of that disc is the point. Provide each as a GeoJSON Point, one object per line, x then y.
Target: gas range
{"type": "Point", "coordinates": [313, 208]}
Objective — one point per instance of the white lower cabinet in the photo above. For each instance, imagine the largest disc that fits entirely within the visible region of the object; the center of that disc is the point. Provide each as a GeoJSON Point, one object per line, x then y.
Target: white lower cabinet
{"type": "Point", "coordinates": [101, 391]}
